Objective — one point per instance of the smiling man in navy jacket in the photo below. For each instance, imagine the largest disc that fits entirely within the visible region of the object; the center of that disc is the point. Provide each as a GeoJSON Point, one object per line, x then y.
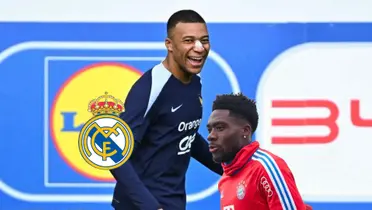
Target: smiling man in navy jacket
{"type": "Point", "coordinates": [164, 111]}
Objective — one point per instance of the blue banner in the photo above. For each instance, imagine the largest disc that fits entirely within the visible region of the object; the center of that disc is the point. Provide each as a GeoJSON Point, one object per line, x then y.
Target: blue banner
{"type": "Point", "coordinates": [50, 71]}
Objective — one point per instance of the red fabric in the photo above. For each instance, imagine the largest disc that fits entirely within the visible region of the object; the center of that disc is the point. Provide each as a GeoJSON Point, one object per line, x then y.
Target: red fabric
{"type": "Point", "coordinates": [109, 103]}
{"type": "Point", "coordinates": [240, 159]}
{"type": "Point", "coordinates": [257, 179]}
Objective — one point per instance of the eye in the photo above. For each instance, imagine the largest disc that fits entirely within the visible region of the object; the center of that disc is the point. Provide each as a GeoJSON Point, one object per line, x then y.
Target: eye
{"type": "Point", "coordinates": [219, 128]}
{"type": "Point", "coordinates": [188, 40]}
{"type": "Point", "coordinates": [205, 41]}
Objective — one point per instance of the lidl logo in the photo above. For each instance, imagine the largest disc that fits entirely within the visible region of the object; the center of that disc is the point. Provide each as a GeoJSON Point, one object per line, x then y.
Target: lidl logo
{"type": "Point", "coordinates": [69, 111]}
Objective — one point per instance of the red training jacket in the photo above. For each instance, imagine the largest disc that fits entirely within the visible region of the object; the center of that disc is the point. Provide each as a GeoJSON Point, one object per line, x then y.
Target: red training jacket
{"type": "Point", "coordinates": [257, 179]}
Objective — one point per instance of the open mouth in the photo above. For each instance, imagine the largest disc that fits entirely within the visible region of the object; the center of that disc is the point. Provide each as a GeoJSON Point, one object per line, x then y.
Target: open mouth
{"type": "Point", "coordinates": [213, 148]}
{"type": "Point", "coordinates": [195, 61]}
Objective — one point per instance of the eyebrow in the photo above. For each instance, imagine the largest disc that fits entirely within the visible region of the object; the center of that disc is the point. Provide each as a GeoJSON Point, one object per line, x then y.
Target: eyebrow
{"type": "Point", "coordinates": [215, 123]}
{"type": "Point", "coordinates": [193, 37]}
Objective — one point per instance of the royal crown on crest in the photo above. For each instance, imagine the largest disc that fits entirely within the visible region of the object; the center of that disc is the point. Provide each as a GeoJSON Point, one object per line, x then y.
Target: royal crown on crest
{"type": "Point", "coordinates": [105, 104]}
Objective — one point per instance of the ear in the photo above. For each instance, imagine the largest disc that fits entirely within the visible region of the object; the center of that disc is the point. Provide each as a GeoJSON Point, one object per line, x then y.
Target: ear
{"type": "Point", "coordinates": [168, 44]}
{"type": "Point", "coordinates": [247, 131]}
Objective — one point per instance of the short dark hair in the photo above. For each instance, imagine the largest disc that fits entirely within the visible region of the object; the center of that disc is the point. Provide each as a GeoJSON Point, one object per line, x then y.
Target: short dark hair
{"type": "Point", "coordinates": [239, 106]}
{"type": "Point", "coordinates": [183, 16]}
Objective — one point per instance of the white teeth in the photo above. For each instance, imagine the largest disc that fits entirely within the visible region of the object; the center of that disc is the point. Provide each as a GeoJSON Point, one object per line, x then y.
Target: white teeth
{"type": "Point", "coordinates": [196, 58]}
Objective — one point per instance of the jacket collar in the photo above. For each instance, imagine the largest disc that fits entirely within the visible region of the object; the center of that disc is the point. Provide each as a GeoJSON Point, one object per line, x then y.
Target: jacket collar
{"type": "Point", "coordinates": [241, 159]}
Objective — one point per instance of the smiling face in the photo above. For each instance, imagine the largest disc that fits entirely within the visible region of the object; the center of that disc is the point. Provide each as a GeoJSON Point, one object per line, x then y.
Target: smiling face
{"type": "Point", "coordinates": [189, 45]}
{"type": "Point", "coordinates": [226, 135]}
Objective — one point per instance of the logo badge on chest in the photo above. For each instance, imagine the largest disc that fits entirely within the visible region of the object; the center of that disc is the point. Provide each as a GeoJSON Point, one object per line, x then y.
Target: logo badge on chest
{"type": "Point", "coordinates": [241, 190]}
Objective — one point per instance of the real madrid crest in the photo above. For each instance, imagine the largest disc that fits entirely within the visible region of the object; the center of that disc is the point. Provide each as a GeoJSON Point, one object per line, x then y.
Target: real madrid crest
{"type": "Point", "coordinates": [106, 141]}
{"type": "Point", "coordinates": [241, 190]}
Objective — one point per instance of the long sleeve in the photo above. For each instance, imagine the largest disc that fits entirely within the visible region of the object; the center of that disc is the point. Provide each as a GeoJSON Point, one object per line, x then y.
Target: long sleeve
{"type": "Point", "coordinates": [200, 152]}
{"type": "Point", "coordinates": [277, 185]}
{"type": "Point", "coordinates": [136, 116]}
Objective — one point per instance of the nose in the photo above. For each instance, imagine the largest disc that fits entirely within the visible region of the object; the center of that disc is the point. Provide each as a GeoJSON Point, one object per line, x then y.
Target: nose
{"type": "Point", "coordinates": [212, 136]}
{"type": "Point", "coordinates": [198, 47]}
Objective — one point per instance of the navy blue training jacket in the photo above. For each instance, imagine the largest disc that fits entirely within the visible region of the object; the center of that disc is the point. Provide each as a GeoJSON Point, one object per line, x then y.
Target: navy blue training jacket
{"type": "Point", "coordinates": [164, 115]}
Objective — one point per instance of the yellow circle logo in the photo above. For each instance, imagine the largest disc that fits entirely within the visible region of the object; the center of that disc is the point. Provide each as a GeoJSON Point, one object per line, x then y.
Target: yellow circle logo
{"type": "Point", "coordinates": [69, 115]}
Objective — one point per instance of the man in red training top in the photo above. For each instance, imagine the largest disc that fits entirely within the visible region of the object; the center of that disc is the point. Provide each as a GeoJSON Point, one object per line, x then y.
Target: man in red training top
{"type": "Point", "coordinates": [253, 178]}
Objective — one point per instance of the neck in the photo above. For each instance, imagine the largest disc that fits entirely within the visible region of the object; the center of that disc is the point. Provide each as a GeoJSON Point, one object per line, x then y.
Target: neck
{"type": "Point", "coordinates": [176, 70]}
{"type": "Point", "coordinates": [233, 154]}
{"type": "Point", "coordinates": [240, 159]}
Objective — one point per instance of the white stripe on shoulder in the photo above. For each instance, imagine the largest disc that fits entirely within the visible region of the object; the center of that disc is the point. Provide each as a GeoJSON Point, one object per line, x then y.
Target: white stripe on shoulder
{"type": "Point", "coordinates": [159, 77]}
{"type": "Point", "coordinates": [276, 178]}
{"type": "Point", "coordinates": [200, 78]}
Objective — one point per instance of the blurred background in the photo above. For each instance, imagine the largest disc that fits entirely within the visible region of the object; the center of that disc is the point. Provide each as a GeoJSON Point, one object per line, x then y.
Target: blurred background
{"type": "Point", "coordinates": [304, 60]}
